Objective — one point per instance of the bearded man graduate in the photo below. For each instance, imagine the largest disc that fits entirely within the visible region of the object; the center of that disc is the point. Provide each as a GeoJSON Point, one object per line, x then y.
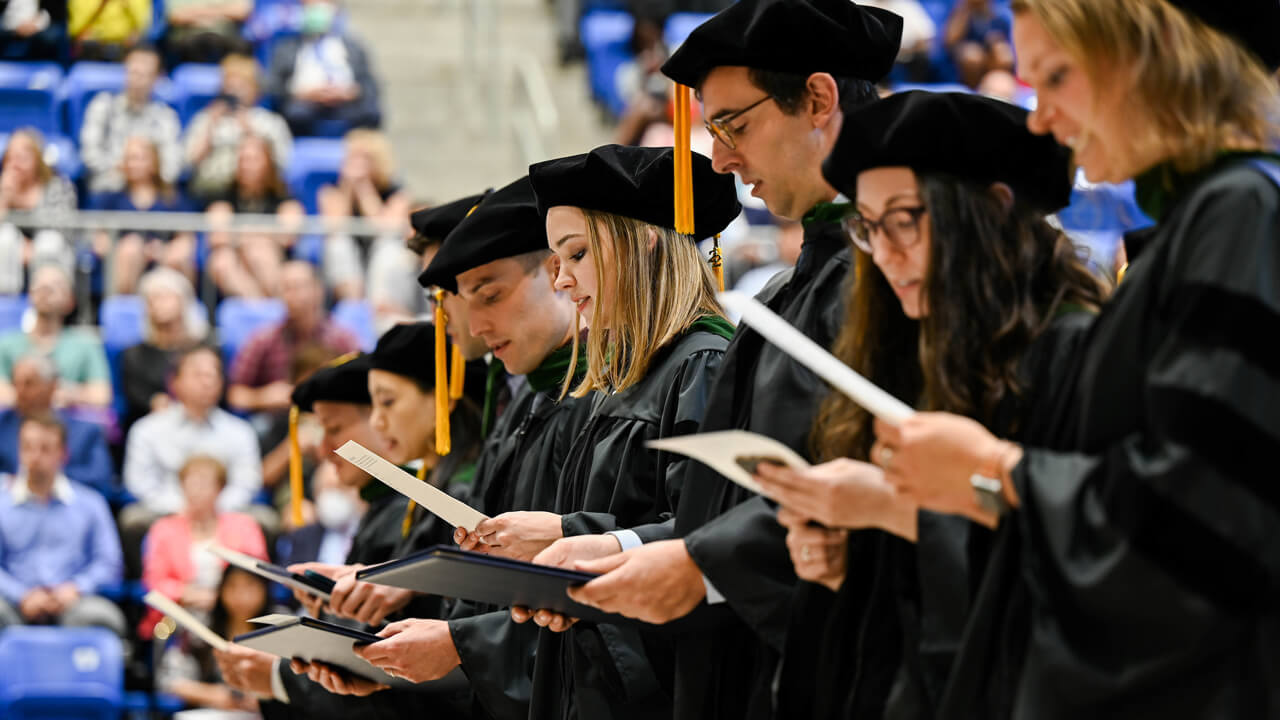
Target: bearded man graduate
{"type": "Point", "coordinates": [775, 78]}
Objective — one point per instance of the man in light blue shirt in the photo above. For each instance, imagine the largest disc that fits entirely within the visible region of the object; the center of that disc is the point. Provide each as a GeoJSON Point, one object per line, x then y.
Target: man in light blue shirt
{"type": "Point", "coordinates": [58, 544]}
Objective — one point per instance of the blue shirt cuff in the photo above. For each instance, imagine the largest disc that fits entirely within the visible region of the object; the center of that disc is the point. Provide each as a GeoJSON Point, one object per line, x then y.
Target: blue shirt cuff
{"type": "Point", "coordinates": [626, 538]}
{"type": "Point", "coordinates": [713, 595]}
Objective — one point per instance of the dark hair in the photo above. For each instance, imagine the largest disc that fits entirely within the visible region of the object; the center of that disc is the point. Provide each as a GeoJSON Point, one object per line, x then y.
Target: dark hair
{"type": "Point", "coordinates": [790, 90]}
{"type": "Point", "coordinates": [219, 621]}
{"type": "Point", "coordinates": [532, 260]}
{"type": "Point", "coordinates": [996, 278]}
{"type": "Point", "coordinates": [191, 352]}
{"type": "Point", "coordinates": [48, 421]}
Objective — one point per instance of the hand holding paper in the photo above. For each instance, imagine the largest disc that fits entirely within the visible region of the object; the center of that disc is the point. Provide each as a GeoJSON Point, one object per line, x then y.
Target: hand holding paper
{"type": "Point", "coordinates": [732, 453]}
{"type": "Point", "coordinates": [442, 504]}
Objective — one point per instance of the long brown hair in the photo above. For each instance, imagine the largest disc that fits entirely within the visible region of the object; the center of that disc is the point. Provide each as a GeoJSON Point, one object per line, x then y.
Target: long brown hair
{"type": "Point", "coordinates": [658, 294]}
{"type": "Point", "coordinates": [997, 276]}
{"type": "Point", "coordinates": [1196, 91]}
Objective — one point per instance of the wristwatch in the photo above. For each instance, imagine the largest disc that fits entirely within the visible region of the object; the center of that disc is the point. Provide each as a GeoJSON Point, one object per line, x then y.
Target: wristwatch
{"type": "Point", "coordinates": [988, 483]}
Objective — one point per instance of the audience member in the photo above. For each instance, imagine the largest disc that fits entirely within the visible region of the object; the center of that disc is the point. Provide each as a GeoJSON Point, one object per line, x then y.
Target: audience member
{"type": "Point", "coordinates": [106, 29]}
{"type": "Point", "coordinates": [214, 135]}
{"type": "Point", "coordinates": [260, 371]}
{"type": "Point", "coordinates": [35, 379]}
{"type": "Point", "coordinates": [366, 188]}
{"type": "Point", "coordinates": [978, 37]}
{"type": "Point", "coordinates": [307, 359]}
{"type": "Point", "coordinates": [112, 118]}
{"type": "Point", "coordinates": [336, 512]}
{"type": "Point", "coordinates": [640, 79]}
{"type": "Point", "coordinates": [918, 34]}
{"type": "Point", "coordinates": [322, 81]}
{"type": "Point", "coordinates": [160, 443]}
{"type": "Point", "coordinates": [187, 668]}
{"type": "Point", "coordinates": [27, 182]}
{"type": "Point", "coordinates": [205, 31]}
{"type": "Point", "coordinates": [33, 30]}
{"type": "Point", "coordinates": [145, 190]}
{"type": "Point", "coordinates": [789, 239]}
{"type": "Point", "coordinates": [58, 545]}
{"type": "Point", "coordinates": [176, 562]}
{"type": "Point", "coordinates": [83, 375]}
{"type": "Point", "coordinates": [172, 324]}
{"type": "Point", "coordinates": [247, 264]}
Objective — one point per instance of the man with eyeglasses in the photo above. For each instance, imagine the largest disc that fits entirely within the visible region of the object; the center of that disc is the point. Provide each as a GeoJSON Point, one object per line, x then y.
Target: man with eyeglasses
{"type": "Point", "coordinates": [775, 78]}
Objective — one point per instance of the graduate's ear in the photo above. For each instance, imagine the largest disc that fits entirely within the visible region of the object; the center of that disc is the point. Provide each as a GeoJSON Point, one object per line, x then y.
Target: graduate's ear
{"type": "Point", "coordinates": [1003, 195]}
{"type": "Point", "coordinates": [551, 268]}
{"type": "Point", "coordinates": [822, 99]}
{"type": "Point", "coordinates": [653, 237]}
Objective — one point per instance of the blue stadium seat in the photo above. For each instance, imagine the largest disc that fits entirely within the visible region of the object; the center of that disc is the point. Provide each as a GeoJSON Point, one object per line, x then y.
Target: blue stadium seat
{"type": "Point", "coordinates": [314, 162]}
{"type": "Point", "coordinates": [357, 316]}
{"type": "Point", "coordinates": [29, 95]}
{"type": "Point", "coordinates": [59, 152]}
{"type": "Point", "coordinates": [194, 86]}
{"type": "Point", "coordinates": [238, 318]}
{"type": "Point", "coordinates": [606, 35]}
{"type": "Point", "coordinates": [54, 673]}
{"type": "Point", "coordinates": [121, 318]}
{"type": "Point", "coordinates": [11, 309]}
{"type": "Point", "coordinates": [87, 79]}
{"type": "Point", "coordinates": [932, 87]}
{"type": "Point", "coordinates": [679, 25]}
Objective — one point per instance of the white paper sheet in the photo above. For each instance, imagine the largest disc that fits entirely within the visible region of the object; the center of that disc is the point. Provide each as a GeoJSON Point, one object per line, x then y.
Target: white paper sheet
{"type": "Point", "coordinates": [721, 451]}
{"type": "Point", "coordinates": [808, 353]}
{"type": "Point", "coordinates": [248, 563]}
{"type": "Point", "coordinates": [273, 619]}
{"type": "Point", "coordinates": [440, 503]}
{"type": "Point", "coordinates": [188, 621]}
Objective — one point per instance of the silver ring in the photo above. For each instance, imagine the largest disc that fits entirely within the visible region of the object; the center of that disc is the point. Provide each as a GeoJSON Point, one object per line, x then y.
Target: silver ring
{"type": "Point", "coordinates": [886, 456]}
{"type": "Point", "coordinates": [804, 553]}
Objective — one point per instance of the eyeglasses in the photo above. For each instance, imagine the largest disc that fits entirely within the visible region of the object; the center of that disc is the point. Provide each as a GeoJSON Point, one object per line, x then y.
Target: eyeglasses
{"type": "Point", "coordinates": [900, 225]}
{"type": "Point", "coordinates": [719, 128]}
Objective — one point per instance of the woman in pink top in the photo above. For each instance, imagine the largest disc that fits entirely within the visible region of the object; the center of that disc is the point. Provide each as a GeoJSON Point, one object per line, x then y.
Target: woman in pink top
{"type": "Point", "coordinates": [175, 563]}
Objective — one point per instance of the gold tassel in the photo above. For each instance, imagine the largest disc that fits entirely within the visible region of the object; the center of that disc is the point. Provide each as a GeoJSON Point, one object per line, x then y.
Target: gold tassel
{"type": "Point", "coordinates": [442, 380]}
{"type": "Point", "coordinates": [408, 512]}
{"type": "Point", "coordinates": [295, 468]}
{"type": "Point", "coordinates": [458, 374]}
{"type": "Point", "coordinates": [717, 263]}
{"type": "Point", "coordinates": [683, 162]}
{"type": "Point", "coordinates": [1121, 272]}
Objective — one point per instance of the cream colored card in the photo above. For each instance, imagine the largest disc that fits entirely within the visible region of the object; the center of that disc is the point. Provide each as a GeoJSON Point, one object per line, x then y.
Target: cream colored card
{"type": "Point", "coordinates": [188, 621]}
{"type": "Point", "coordinates": [728, 451]}
{"type": "Point", "coordinates": [440, 503]}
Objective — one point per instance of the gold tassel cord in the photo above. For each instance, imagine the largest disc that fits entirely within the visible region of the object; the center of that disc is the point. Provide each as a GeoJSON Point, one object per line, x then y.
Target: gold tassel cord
{"type": "Point", "coordinates": [717, 263]}
{"type": "Point", "coordinates": [408, 511]}
{"type": "Point", "coordinates": [683, 162]}
{"type": "Point", "coordinates": [442, 380]}
{"type": "Point", "coordinates": [457, 373]}
{"type": "Point", "coordinates": [295, 468]}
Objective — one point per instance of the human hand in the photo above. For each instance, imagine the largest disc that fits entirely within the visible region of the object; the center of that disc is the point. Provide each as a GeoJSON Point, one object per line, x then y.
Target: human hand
{"type": "Point", "coordinates": [549, 619]}
{"type": "Point", "coordinates": [841, 493]}
{"type": "Point", "coordinates": [519, 535]}
{"type": "Point", "coordinates": [417, 650]}
{"type": "Point", "coordinates": [37, 604]}
{"type": "Point", "coordinates": [64, 596]}
{"type": "Point", "coordinates": [314, 604]}
{"type": "Point", "coordinates": [246, 669]}
{"type": "Point", "coordinates": [566, 552]}
{"type": "Point", "coordinates": [819, 555]}
{"type": "Point", "coordinates": [656, 582]}
{"type": "Point", "coordinates": [366, 602]}
{"type": "Point", "coordinates": [335, 680]}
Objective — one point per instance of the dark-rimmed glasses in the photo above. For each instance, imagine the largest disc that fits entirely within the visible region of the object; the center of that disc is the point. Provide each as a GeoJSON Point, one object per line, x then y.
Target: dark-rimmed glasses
{"type": "Point", "coordinates": [900, 225]}
{"type": "Point", "coordinates": [719, 128]}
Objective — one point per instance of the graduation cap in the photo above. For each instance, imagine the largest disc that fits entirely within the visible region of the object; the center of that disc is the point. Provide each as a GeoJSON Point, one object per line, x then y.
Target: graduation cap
{"type": "Point", "coordinates": [974, 138]}
{"type": "Point", "coordinates": [504, 224]}
{"type": "Point", "coordinates": [1255, 24]}
{"type": "Point", "coordinates": [344, 380]}
{"type": "Point", "coordinates": [635, 182]}
{"type": "Point", "coordinates": [438, 221]}
{"type": "Point", "coordinates": [794, 36]}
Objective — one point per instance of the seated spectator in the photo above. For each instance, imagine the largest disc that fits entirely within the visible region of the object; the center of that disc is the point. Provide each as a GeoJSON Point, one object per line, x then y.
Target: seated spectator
{"type": "Point", "coordinates": [205, 31]}
{"type": "Point", "coordinates": [145, 190]}
{"type": "Point", "coordinates": [260, 371]}
{"type": "Point", "coordinates": [918, 33]}
{"type": "Point", "coordinates": [214, 135]}
{"type": "Point", "coordinates": [763, 265]}
{"type": "Point", "coordinates": [58, 545]}
{"type": "Point", "coordinates": [247, 264]}
{"type": "Point", "coordinates": [160, 443]}
{"type": "Point", "coordinates": [83, 375]}
{"type": "Point", "coordinates": [88, 460]}
{"type": "Point", "coordinates": [187, 668]}
{"type": "Point", "coordinates": [172, 324]}
{"type": "Point", "coordinates": [336, 512]}
{"type": "Point", "coordinates": [366, 188]}
{"type": "Point", "coordinates": [33, 30]}
{"type": "Point", "coordinates": [176, 562]}
{"type": "Point", "coordinates": [307, 359]}
{"type": "Point", "coordinates": [106, 29]}
{"type": "Point", "coordinates": [112, 118]}
{"type": "Point", "coordinates": [27, 182]}
{"type": "Point", "coordinates": [979, 40]}
{"type": "Point", "coordinates": [639, 79]}
{"type": "Point", "coordinates": [322, 81]}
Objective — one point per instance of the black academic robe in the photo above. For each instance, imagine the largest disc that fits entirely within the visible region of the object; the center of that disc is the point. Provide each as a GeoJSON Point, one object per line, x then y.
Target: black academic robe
{"type": "Point", "coordinates": [1146, 556]}
{"type": "Point", "coordinates": [613, 482]}
{"type": "Point", "coordinates": [519, 469]}
{"type": "Point", "coordinates": [883, 646]}
{"type": "Point", "coordinates": [725, 659]}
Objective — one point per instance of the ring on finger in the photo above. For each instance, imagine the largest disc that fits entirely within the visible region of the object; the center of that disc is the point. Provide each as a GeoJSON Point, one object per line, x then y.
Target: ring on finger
{"type": "Point", "coordinates": [886, 456]}
{"type": "Point", "coordinates": [804, 553]}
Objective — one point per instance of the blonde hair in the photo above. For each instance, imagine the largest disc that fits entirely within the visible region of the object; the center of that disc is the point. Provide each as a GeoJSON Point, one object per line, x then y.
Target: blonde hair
{"type": "Point", "coordinates": [205, 461]}
{"type": "Point", "coordinates": [43, 172]}
{"type": "Point", "coordinates": [657, 295]}
{"type": "Point", "coordinates": [1198, 91]}
{"type": "Point", "coordinates": [166, 278]}
{"type": "Point", "coordinates": [376, 145]}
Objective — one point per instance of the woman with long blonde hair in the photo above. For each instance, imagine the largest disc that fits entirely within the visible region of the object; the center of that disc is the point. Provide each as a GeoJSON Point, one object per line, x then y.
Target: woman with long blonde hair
{"type": "Point", "coordinates": [1150, 569]}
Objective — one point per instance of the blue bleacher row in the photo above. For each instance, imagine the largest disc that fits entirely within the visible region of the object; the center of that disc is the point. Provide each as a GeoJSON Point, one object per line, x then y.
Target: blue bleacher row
{"type": "Point", "coordinates": [606, 26]}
